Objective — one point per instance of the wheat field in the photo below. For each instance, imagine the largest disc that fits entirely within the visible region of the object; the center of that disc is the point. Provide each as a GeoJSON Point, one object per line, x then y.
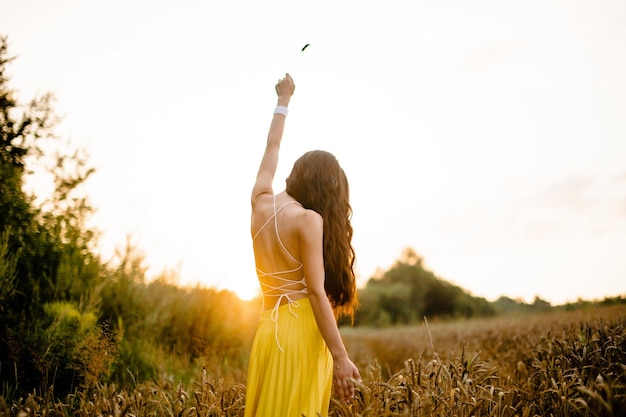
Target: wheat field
{"type": "Point", "coordinates": [556, 363]}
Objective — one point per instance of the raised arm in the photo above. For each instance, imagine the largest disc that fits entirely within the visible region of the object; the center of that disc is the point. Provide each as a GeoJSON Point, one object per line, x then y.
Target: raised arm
{"type": "Point", "coordinates": [263, 185]}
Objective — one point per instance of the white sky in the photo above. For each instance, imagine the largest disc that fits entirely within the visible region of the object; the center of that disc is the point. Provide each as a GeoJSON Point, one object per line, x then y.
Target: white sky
{"type": "Point", "coordinates": [490, 136]}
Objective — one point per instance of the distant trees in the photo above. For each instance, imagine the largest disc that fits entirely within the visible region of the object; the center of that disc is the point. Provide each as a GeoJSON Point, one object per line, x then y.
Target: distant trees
{"type": "Point", "coordinates": [408, 292]}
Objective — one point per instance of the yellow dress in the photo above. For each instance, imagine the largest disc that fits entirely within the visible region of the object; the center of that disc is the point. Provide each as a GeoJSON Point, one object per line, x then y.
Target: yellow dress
{"type": "Point", "coordinates": [297, 380]}
{"type": "Point", "coordinates": [290, 368]}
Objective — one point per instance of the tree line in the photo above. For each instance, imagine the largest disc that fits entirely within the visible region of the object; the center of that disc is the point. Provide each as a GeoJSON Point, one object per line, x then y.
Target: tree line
{"type": "Point", "coordinates": [408, 292]}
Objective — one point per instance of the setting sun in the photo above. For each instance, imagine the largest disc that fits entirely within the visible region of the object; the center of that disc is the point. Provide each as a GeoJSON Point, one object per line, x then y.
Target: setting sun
{"type": "Point", "coordinates": [245, 292]}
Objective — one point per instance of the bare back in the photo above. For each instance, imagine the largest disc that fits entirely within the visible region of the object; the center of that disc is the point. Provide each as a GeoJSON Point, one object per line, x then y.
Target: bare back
{"type": "Point", "coordinates": [276, 247]}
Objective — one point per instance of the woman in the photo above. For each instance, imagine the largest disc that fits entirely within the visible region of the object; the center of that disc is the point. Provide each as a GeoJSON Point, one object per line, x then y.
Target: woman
{"type": "Point", "coordinates": [304, 260]}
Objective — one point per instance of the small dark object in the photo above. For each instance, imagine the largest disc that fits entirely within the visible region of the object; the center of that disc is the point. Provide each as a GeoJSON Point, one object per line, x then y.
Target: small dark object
{"type": "Point", "coordinates": [298, 57]}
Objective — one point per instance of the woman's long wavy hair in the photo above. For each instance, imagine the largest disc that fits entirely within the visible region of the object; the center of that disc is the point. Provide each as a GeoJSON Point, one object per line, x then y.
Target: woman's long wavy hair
{"type": "Point", "coordinates": [320, 184]}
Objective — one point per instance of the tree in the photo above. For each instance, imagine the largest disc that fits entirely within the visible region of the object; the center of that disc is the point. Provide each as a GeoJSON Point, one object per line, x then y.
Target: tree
{"type": "Point", "coordinates": [408, 291]}
{"type": "Point", "coordinates": [19, 139]}
{"type": "Point", "coordinates": [46, 257]}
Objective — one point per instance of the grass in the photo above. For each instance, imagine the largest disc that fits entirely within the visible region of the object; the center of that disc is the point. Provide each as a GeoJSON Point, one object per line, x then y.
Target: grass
{"type": "Point", "coordinates": [549, 364]}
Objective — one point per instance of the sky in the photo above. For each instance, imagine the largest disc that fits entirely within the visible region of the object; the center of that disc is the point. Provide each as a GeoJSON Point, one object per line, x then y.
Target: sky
{"type": "Point", "coordinates": [489, 136]}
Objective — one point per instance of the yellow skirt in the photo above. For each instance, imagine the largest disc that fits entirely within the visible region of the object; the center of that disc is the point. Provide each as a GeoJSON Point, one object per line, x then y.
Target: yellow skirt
{"type": "Point", "coordinates": [296, 381]}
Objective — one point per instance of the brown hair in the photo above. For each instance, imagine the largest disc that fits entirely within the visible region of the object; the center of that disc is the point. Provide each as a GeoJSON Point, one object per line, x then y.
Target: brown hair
{"type": "Point", "coordinates": [320, 184]}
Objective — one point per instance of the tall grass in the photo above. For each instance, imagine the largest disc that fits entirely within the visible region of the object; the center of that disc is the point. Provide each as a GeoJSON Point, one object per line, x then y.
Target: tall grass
{"type": "Point", "coordinates": [553, 364]}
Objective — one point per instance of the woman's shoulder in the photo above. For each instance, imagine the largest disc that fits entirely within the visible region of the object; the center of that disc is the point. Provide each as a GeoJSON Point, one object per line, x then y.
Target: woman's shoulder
{"type": "Point", "coordinates": [309, 220]}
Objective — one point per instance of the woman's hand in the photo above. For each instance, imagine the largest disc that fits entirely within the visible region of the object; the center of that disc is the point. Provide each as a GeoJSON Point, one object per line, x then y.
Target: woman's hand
{"type": "Point", "coordinates": [284, 89]}
{"type": "Point", "coordinates": [344, 373]}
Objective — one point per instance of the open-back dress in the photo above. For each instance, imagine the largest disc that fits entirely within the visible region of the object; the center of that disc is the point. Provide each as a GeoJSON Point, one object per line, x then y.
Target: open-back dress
{"type": "Point", "coordinates": [290, 368]}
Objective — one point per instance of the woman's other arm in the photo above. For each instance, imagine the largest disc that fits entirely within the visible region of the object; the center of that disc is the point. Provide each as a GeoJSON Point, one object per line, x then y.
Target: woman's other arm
{"type": "Point", "coordinates": [263, 185]}
{"type": "Point", "coordinates": [312, 255]}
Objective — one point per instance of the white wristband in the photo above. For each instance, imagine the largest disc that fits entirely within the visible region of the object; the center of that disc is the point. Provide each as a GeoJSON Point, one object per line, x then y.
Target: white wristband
{"type": "Point", "coordinates": [281, 110]}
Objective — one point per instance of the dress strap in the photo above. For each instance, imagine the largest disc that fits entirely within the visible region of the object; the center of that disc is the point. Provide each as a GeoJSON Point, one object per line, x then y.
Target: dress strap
{"type": "Point", "coordinates": [285, 290]}
{"type": "Point", "coordinates": [274, 315]}
{"type": "Point", "coordinates": [273, 217]}
{"type": "Point", "coordinates": [278, 234]}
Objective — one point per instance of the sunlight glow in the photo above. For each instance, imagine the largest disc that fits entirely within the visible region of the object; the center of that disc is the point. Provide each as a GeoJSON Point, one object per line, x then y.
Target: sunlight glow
{"type": "Point", "coordinates": [488, 136]}
{"type": "Point", "coordinates": [245, 293]}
